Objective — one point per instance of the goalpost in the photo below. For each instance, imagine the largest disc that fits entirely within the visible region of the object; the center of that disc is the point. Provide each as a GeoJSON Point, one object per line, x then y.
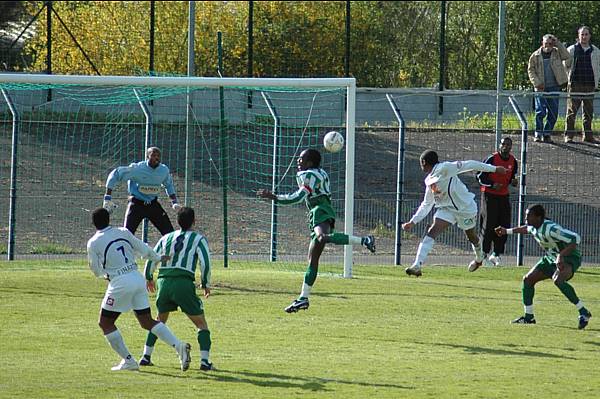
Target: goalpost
{"type": "Point", "coordinates": [246, 134]}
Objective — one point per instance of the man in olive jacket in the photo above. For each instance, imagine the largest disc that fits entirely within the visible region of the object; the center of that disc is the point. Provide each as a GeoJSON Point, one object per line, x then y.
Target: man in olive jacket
{"type": "Point", "coordinates": [548, 75]}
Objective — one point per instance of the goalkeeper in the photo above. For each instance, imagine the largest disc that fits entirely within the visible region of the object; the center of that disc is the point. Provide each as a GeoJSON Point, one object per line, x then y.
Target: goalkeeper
{"type": "Point", "coordinates": [144, 182]}
{"type": "Point", "coordinates": [313, 188]}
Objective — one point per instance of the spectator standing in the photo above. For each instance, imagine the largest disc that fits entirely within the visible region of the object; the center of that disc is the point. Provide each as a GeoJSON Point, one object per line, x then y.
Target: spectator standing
{"type": "Point", "coordinates": [548, 75]}
{"type": "Point", "coordinates": [583, 73]}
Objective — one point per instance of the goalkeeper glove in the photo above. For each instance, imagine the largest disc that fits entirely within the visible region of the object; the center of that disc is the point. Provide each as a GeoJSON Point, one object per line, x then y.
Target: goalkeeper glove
{"type": "Point", "coordinates": [175, 205]}
{"type": "Point", "coordinates": [108, 204]}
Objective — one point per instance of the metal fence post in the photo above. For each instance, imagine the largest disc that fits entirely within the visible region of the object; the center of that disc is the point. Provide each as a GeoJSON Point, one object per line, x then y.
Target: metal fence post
{"type": "Point", "coordinates": [275, 177]}
{"type": "Point", "coordinates": [13, 175]}
{"type": "Point", "coordinates": [147, 140]}
{"type": "Point", "coordinates": [399, 179]}
{"type": "Point", "coordinates": [523, 177]}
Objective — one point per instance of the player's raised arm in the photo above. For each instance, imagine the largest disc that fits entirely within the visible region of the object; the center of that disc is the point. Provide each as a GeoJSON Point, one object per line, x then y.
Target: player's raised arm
{"type": "Point", "coordinates": [475, 166]}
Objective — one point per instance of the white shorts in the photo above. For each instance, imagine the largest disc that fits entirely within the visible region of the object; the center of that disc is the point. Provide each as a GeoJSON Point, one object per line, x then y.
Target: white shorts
{"type": "Point", "coordinates": [465, 221]}
{"type": "Point", "coordinates": [126, 292]}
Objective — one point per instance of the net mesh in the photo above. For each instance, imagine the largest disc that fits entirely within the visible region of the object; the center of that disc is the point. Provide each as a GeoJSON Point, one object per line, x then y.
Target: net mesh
{"type": "Point", "coordinates": [71, 137]}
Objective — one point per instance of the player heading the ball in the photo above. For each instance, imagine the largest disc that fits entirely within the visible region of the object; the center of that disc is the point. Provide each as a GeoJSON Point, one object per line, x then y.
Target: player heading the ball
{"type": "Point", "coordinates": [314, 190]}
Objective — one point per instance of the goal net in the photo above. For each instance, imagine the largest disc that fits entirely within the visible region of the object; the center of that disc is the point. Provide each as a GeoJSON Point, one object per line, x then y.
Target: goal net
{"type": "Point", "coordinates": [222, 138]}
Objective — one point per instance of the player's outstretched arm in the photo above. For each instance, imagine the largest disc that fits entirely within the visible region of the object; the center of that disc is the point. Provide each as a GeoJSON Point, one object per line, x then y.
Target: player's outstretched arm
{"type": "Point", "coordinates": [503, 231]}
{"type": "Point", "coordinates": [407, 226]}
{"type": "Point", "coordinates": [262, 193]}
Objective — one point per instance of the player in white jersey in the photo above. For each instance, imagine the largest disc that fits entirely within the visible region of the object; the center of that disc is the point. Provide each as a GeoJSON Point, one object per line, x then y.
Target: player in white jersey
{"type": "Point", "coordinates": [454, 204]}
{"type": "Point", "coordinates": [313, 188]}
{"type": "Point", "coordinates": [560, 262]}
{"type": "Point", "coordinates": [111, 254]}
{"type": "Point", "coordinates": [187, 248]}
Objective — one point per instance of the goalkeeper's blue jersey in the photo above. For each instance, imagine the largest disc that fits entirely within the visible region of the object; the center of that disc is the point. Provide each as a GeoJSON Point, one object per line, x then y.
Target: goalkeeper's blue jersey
{"type": "Point", "coordinates": [553, 238]}
{"type": "Point", "coordinates": [143, 181]}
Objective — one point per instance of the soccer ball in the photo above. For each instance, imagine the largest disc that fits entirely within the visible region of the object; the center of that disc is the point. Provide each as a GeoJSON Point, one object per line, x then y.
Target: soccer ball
{"type": "Point", "coordinates": [333, 141]}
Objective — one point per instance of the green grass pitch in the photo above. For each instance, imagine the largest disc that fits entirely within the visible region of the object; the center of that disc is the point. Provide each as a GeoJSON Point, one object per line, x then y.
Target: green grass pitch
{"type": "Point", "coordinates": [377, 335]}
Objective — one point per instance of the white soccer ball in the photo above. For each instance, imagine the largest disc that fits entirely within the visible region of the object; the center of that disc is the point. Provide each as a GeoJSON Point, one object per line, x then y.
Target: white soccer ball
{"type": "Point", "coordinates": [333, 141]}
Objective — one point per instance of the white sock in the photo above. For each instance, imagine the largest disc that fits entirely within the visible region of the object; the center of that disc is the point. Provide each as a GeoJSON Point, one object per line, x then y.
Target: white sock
{"type": "Point", "coordinates": [479, 256]}
{"type": "Point", "coordinates": [529, 309]}
{"type": "Point", "coordinates": [115, 340]}
{"type": "Point", "coordinates": [204, 355]}
{"type": "Point", "coordinates": [148, 350]}
{"type": "Point", "coordinates": [579, 305]}
{"type": "Point", "coordinates": [354, 240]}
{"type": "Point", "coordinates": [305, 290]}
{"type": "Point", "coordinates": [164, 334]}
{"type": "Point", "coordinates": [424, 248]}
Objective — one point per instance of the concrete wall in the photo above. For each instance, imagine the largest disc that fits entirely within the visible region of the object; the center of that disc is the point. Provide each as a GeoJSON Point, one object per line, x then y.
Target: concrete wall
{"type": "Point", "coordinates": [326, 108]}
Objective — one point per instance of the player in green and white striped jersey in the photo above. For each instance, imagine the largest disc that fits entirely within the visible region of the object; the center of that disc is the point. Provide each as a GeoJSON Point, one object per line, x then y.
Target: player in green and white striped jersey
{"type": "Point", "coordinates": [176, 286]}
{"type": "Point", "coordinates": [560, 262]}
{"type": "Point", "coordinates": [314, 190]}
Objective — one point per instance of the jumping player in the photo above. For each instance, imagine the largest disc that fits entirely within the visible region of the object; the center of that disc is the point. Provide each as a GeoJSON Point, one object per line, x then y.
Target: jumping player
{"type": "Point", "coordinates": [454, 204]}
{"type": "Point", "coordinates": [314, 189]}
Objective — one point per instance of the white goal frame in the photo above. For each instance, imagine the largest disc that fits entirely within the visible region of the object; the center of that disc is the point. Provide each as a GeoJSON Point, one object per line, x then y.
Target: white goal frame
{"type": "Point", "coordinates": [348, 83]}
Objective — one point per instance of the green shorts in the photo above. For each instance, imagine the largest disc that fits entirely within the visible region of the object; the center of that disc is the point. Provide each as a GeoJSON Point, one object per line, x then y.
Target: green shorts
{"type": "Point", "coordinates": [548, 266]}
{"type": "Point", "coordinates": [320, 214]}
{"type": "Point", "coordinates": [180, 292]}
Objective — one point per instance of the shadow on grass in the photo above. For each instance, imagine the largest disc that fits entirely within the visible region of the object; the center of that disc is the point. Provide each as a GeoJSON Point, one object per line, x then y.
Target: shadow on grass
{"type": "Point", "coordinates": [270, 380]}
{"type": "Point", "coordinates": [478, 350]}
{"type": "Point", "coordinates": [53, 293]}
{"type": "Point", "coordinates": [338, 295]}
{"type": "Point", "coordinates": [592, 343]}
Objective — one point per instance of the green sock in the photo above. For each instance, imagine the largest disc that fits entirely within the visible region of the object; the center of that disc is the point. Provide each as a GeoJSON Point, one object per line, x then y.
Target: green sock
{"type": "Point", "coordinates": [568, 291]}
{"type": "Point", "coordinates": [204, 340]}
{"type": "Point", "coordinates": [338, 239]}
{"type": "Point", "coordinates": [311, 275]}
{"type": "Point", "coordinates": [528, 293]}
{"type": "Point", "coordinates": [151, 339]}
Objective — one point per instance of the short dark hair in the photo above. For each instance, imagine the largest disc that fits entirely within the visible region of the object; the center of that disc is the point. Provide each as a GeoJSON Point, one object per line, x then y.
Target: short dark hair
{"type": "Point", "coordinates": [582, 27]}
{"type": "Point", "coordinates": [100, 218]}
{"type": "Point", "coordinates": [537, 210]}
{"type": "Point", "coordinates": [430, 157]}
{"type": "Point", "coordinates": [506, 139]}
{"type": "Point", "coordinates": [186, 217]}
{"type": "Point", "coordinates": [314, 156]}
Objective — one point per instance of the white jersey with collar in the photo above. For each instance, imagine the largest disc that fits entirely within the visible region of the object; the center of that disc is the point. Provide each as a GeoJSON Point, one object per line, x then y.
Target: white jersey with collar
{"type": "Point", "coordinates": [444, 189]}
{"type": "Point", "coordinates": [112, 251]}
